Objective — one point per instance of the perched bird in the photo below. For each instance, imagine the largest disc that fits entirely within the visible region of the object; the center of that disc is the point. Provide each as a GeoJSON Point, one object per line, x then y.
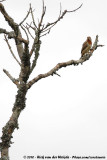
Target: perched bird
{"type": "Point", "coordinates": [86, 46]}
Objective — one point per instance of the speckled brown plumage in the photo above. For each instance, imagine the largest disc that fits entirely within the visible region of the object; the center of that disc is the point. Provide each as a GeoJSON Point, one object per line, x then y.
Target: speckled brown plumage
{"type": "Point", "coordinates": [86, 46]}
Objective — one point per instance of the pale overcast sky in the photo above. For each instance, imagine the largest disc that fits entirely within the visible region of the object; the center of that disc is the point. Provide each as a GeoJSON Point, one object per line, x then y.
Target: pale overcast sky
{"type": "Point", "coordinates": [67, 115]}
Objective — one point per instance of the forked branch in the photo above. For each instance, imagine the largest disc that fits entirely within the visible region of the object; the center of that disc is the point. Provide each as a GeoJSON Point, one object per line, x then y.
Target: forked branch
{"type": "Point", "coordinates": [11, 50]}
{"type": "Point", "coordinates": [17, 33]}
{"type": "Point", "coordinates": [65, 64]}
{"type": "Point", "coordinates": [42, 30]}
{"type": "Point", "coordinates": [61, 15]}
{"type": "Point", "coordinates": [25, 17]}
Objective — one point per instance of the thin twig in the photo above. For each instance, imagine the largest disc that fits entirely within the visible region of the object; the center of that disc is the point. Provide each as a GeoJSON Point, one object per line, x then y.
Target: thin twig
{"type": "Point", "coordinates": [33, 17]}
{"type": "Point", "coordinates": [25, 18]}
{"type": "Point", "coordinates": [29, 32]}
{"type": "Point", "coordinates": [60, 10]}
{"type": "Point", "coordinates": [11, 50]}
{"type": "Point", "coordinates": [76, 8]}
{"type": "Point", "coordinates": [45, 33]}
{"type": "Point", "coordinates": [48, 29]}
{"type": "Point", "coordinates": [42, 16]}
{"type": "Point", "coordinates": [50, 25]}
{"type": "Point", "coordinates": [23, 27]}
{"type": "Point", "coordinates": [29, 25]}
{"type": "Point", "coordinates": [100, 45]}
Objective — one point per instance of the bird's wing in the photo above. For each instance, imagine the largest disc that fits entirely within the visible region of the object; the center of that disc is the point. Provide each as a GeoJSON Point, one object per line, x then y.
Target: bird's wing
{"type": "Point", "coordinates": [84, 46]}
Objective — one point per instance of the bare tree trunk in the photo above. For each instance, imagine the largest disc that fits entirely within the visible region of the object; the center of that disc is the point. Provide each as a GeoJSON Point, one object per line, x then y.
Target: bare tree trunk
{"type": "Point", "coordinates": [12, 124]}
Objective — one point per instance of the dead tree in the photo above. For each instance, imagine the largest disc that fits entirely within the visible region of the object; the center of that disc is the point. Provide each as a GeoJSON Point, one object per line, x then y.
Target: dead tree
{"type": "Point", "coordinates": [27, 66]}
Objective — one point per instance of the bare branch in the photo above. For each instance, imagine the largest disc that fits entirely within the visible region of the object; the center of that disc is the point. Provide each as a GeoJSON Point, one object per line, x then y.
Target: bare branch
{"type": "Point", "coordinates": [3, 31]}
{"type": "Point", "coordinates": [25, 17]}
{"type": "Point", "coordinates": [30, 26]}
{"type": "Point", "coordinates": [50, 25]}
{"type": "Point", "coordinates": [56, 74]}
{"type": "Point", "coordinates": [19, 38]}
{"type": "Point", "coordinates": [23, 40]}
{"type": "Point", "coordinates": [48, 31]}
{"type": "Point", "coordinates": [60, 10]}
{"type": "Point", "coordinates": [10, 21]}
{"type": "Point", "coordinates": [95, 45]}
{"type": "Point", "coordinates": [15, 81]}
{"type": "Point", "coordinates": [65, 64]}
{"type": "Point", "coordinates": [33, 17]}
{"type": "Point", "coordinates": [25, 32]}
{"type": "Point", "coordinates": [11, 50]}
{"type": "Point", "coordinates": [76, 8]}
{"type": "Point", "coordinates": [100, 45]}
{"type": "Point", "coordinates": [53, 71]}
{"type": "Point", "coordinates": [29, 32]}
{"type": "Point", "coordinates": [42, 16]}
{"type": "Point", "coordinates": [12, 35]}
{"type": "Point", "coordinates": [16, 29]}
